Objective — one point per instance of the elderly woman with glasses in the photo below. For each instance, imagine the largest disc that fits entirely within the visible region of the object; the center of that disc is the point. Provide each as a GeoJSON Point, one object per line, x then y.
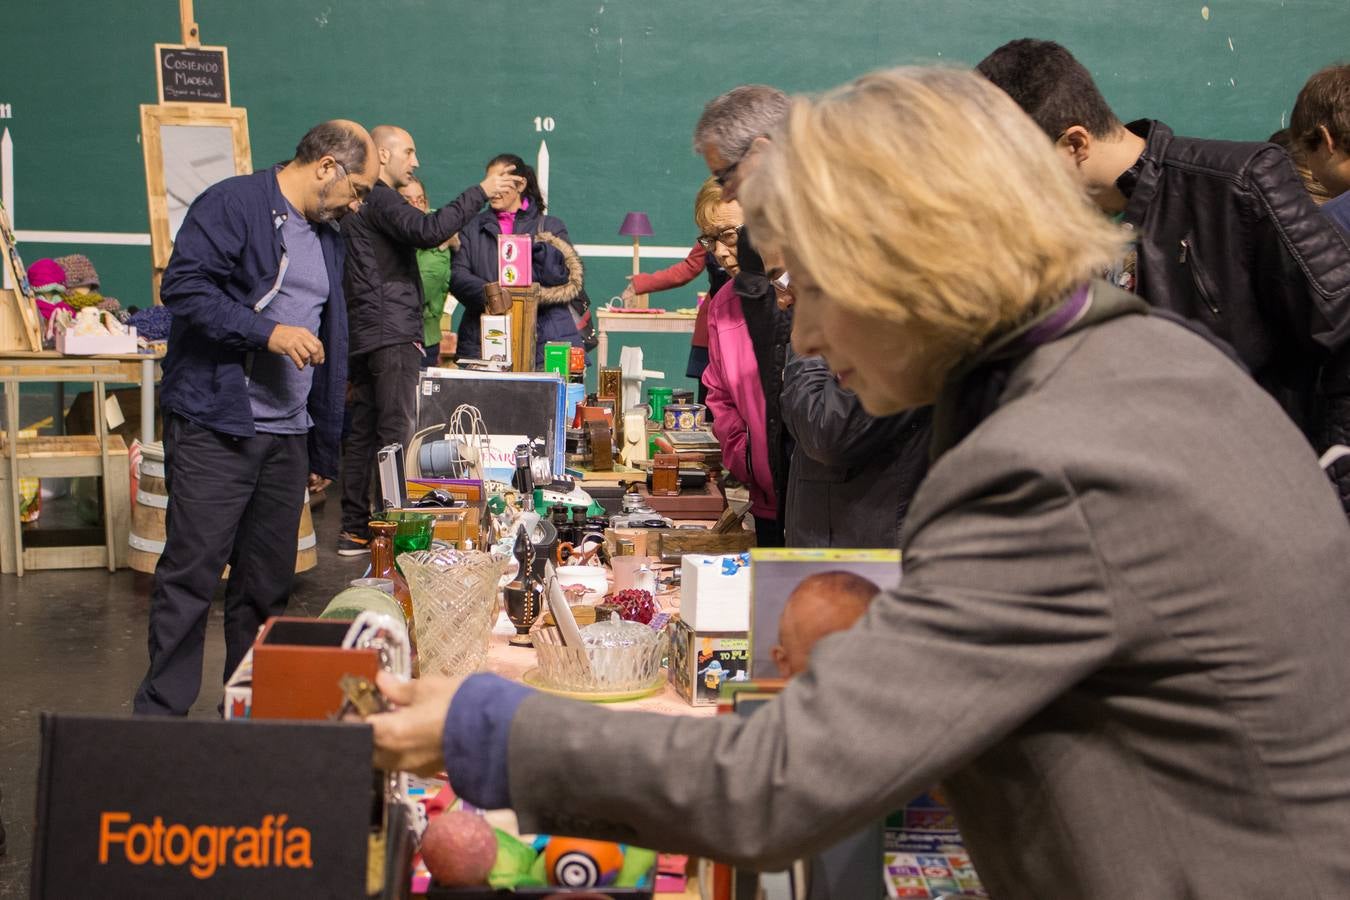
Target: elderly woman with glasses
{"type": "Point", "coordinates": [1119, 642]}
{"type": "Point", "coordinates": [736, 378]}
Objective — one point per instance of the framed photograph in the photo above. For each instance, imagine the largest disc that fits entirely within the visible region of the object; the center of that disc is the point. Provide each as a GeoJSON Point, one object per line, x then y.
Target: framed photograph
{"type": "Point", "coordinates": [775, 574]}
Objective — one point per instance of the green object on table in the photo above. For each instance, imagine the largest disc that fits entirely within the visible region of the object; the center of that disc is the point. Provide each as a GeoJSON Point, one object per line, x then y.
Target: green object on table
{"type": "Point", "coordinates": [515, 863]}
{"type": "Point", "coordinates": [414, 531]}
{"type": "Point", "coordinates": [539, 871]}
{"type": "Point", "coordinates": [496, 504]}
{"type": "Point", "coordinates": [353, 601]}
{"type": "Point", "coordinates": [556, 355]}
{"type": "Point", "coordinates": [638, 863]}
{"type": "Point", "coordinates": [657, 398]}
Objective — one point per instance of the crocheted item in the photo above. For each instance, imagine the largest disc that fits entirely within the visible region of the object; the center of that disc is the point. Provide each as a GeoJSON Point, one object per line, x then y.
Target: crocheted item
{"type": "Point", "coordinates": [79, 270]}
{"type": "Point", "coordinates": [47, 275]}
{"type": "Point", "coordinates": [80, 301]}
{"type": "Point", "coordinates": [152, 323]}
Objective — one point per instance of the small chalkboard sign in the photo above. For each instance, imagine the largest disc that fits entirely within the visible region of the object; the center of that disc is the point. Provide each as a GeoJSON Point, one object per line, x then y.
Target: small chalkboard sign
{"type": "Point", "coordinates": [193, 74]}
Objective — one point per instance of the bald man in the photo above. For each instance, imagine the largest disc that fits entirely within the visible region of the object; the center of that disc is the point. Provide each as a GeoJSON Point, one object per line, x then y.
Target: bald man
{"type": "Point", "coordinates": [821, 604]}
{"type": "Point", "coordinates": [384, 297]}
{"type": "Point", "coordinates": [253, 395]}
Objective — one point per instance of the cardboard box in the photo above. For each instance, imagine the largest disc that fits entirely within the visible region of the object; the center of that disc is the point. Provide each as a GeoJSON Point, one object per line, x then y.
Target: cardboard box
{"type": "Point", "coordinates": [297, 664]}
{"type": "Point", "coordinates": [710, 599]}
{"type": "Point", "coordinates": [701, 662]}
{"type": "Point", "coordinates": [496, 342]}
{"type": "Point", "coordinates": [71, 344]}
{"type": "Point", "coordinates": [239, 690]}
{"type": "Point", "coordinates": [515, 260]}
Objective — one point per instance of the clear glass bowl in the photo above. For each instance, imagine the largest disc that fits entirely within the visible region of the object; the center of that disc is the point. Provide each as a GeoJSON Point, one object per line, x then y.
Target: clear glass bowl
{"type": "Point", "coordinates": [454, 594]}
{"type": "Point", "coordinates": [598, 669]}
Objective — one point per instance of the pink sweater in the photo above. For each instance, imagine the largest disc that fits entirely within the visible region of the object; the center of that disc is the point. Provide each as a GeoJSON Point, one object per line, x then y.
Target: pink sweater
{"type": "Point", "coordinates": [736, 400]}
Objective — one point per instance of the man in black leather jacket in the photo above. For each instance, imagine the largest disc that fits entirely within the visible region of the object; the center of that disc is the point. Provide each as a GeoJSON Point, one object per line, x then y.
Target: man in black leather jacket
{"type": "Point", "coordinates": [849, 469]}
{"type": "Point", "coordinates": [384, 301]}
{"type": "Point", "coordinates": [1226, 235]}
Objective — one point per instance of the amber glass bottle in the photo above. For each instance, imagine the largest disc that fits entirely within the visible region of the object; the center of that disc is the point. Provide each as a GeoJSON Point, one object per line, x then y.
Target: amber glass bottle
{"type": "Point", "coordinates": [382, 566]}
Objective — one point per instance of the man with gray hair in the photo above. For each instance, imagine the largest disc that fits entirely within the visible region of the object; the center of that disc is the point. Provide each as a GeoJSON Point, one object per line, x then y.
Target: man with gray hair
{"type": "Point", "coordinates": [735, 128]}
{"type": "Point", "coordinates": [834, 465]}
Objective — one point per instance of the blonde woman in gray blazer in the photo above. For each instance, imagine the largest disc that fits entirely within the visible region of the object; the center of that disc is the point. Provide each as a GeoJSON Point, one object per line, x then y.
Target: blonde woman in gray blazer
{"type": "Point", "coordinates": [1121, 639]}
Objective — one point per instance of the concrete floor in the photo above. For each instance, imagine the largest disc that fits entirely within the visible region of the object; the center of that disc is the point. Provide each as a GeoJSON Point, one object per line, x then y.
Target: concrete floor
{"type": "Point", "coordinates": [75, 642]}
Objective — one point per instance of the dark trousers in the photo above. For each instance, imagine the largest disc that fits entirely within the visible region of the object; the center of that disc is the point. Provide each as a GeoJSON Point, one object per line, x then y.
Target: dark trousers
{"type": "Point", "coordinates": [231, 500]}
{"type": "Point", "coordinates": [384, 411]}
{"type": "Point", "coordinates": [769, 532]}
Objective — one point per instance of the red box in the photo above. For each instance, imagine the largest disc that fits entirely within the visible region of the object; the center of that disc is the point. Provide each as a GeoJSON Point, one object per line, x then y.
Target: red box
{"type": "Point", "coordinates": [297, 664]}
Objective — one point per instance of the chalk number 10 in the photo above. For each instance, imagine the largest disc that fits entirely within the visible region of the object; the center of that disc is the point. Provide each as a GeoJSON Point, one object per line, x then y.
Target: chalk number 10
{"type": "Point", "coordinates": [543, 123]}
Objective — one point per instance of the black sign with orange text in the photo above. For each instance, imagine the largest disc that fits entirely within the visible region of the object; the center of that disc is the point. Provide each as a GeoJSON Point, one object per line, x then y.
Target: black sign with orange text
{"type": "Point", "coordinates": [153, 807]}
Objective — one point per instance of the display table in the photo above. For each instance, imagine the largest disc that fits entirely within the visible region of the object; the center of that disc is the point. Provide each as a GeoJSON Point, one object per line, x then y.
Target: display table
{"type": "Point", "coordinates": [48, 365]}
{"type": "Point", "coordinates": [100, 455]}
{"type": "Point", "coordinates": [607, 322]}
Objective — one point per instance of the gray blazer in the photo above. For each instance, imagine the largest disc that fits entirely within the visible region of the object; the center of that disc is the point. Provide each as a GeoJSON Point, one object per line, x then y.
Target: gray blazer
{"type": "Point", "coordinates": [1120, 644]}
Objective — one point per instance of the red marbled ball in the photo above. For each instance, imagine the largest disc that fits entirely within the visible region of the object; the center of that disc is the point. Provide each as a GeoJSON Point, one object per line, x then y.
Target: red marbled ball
{"type": "Point", "coordinates": [459, 848]}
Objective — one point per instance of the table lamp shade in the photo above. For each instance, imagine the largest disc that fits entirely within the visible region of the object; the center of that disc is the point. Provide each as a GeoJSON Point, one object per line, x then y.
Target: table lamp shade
{"type": "Point", "coordinates": [636, 224]}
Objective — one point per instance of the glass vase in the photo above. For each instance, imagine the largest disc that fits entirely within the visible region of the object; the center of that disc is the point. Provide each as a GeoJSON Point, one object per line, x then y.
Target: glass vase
{"type": "Point", "coordinates": [454, 595]}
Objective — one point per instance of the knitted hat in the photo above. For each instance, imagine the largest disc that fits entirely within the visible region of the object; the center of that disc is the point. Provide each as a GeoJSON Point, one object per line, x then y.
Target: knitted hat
{"type": "Point", "coordinates": [79, 270]}
{"type": "Point", "coordinates": [46, 275]}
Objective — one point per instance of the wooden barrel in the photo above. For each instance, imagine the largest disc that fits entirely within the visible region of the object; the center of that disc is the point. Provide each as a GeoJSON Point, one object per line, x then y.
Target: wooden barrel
{"type": "Point", "coordinates": [147, 518]}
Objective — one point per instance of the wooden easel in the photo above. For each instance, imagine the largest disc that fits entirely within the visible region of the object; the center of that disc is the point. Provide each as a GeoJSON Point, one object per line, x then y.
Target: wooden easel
{"type": "Point", "coordinates": [179, 112]}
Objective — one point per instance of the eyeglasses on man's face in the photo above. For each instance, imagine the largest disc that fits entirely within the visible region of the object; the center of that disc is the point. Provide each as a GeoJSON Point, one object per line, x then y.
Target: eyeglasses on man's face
{"type": "Point", "coordinates": [358, 196]}
{"type": "Point", "coordinates": [727, 237]}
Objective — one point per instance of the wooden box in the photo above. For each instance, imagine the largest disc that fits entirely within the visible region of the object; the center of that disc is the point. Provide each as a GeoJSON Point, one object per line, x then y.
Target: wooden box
{"type": "Point", "coordinates": [699, 504]}
{"type": "Point", "coordinates": [455, 524]}
{"type": "Point", "coordinates": [296, 667]}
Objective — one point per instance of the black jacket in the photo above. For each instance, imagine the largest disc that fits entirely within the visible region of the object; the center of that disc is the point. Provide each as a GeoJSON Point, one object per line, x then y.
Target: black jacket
{"type": "Point", "coordinates": [1228, 236]}
{"type": "Point", "coordinates": [381, 280]}
{"type": "Point", "coordinates": [475, 264]}
{"type": "Point", "coordinates": [852, 475]}
{"type": "Point", "coordinates": [770, 331]}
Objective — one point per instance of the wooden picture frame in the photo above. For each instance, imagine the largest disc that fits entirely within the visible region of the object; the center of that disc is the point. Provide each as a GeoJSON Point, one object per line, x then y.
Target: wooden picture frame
{"type": "Point", "coordinates": [187, 177]}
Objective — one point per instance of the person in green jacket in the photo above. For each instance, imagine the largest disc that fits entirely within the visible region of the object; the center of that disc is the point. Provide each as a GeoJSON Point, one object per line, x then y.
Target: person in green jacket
{"type": "Point", "coordinates": [434, 264]}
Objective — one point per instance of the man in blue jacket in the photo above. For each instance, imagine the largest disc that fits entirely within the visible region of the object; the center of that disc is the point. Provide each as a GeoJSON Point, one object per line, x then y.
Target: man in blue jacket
{"type": "Point", "coordinates": [253, 395]}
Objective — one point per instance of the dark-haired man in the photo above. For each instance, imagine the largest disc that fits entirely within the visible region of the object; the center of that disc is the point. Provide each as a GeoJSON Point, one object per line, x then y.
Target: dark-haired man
{"type": "Point", "coordinates": [1320, 127]}
{"type": "Point", "coordinates": [253, 396]}
{"type": "Point", "coordinates": [384, 296]}
{"type": "Point", "coordinates": [1226, 235]}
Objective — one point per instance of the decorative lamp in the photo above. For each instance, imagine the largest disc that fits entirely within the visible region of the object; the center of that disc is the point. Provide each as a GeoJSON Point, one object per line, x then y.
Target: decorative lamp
{"type": "Point", "coordinates": [636, 225]}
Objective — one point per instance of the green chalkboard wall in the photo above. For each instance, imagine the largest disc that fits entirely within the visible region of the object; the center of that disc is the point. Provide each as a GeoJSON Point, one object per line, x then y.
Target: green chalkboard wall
{"type": "Point", "coordinates": [621, 82]}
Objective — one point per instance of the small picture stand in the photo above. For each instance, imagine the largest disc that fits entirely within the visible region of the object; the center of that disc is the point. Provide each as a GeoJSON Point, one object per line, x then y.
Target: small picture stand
{"type": "Point", "coordinates": [20, 324]}
{"type": "Point", "coordinates": [562, 613]}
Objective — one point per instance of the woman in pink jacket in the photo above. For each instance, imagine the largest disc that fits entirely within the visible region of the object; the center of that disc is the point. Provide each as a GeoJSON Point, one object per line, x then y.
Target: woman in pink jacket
{"type": "Point", "coordinates": [735, 394]}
